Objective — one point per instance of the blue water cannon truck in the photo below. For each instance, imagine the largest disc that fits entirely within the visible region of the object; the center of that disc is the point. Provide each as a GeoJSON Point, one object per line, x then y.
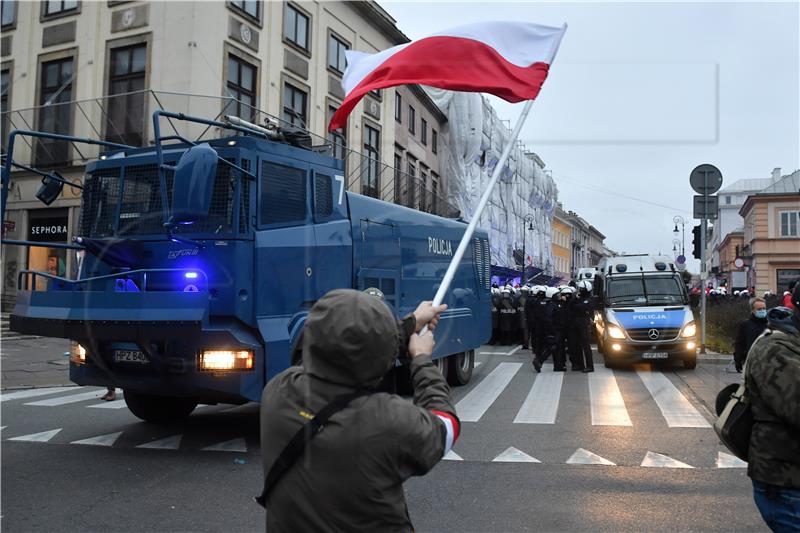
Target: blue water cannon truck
{"type": "Point", "coordinates": [202, 260]}
{"type": "Point", "coordinates": [644, 313]}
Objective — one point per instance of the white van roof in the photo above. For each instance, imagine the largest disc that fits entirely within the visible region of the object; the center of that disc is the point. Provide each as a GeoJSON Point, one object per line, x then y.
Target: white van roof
{"type": "Point", "coordinates": [637, 263]}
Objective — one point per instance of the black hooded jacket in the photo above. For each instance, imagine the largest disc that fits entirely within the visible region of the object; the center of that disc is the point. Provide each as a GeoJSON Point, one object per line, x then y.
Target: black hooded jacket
{"type": "Point", "coordinates": [746, 335]}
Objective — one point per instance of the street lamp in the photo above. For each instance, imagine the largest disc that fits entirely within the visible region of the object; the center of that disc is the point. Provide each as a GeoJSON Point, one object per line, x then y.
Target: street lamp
{"type": "Point", "coordinates": [677, 219]}
{"type": "Point", "coordinates": [529, 220]}
{"type": "Point", "coordinates": [676, 246]}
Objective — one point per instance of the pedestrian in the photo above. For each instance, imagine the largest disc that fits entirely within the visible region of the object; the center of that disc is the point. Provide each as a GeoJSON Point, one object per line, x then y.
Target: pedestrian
{"type": "Point", "coordinates": [749, 330]}
{"type": "Point", "coordinates": [349, 476]}
{"type": "Point", "coordinates": [787, 296]}
{"type": "Point", "coordinates": [110, 395]}
{"type": "Point", "coordinates": [772, 377]}
{"type": "Point", "coordinates": [582, 311]}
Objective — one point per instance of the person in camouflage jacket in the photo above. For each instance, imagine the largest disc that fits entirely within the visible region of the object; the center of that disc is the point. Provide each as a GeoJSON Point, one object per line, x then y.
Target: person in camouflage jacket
{"type": "Point", "coordinates": [772, 376]}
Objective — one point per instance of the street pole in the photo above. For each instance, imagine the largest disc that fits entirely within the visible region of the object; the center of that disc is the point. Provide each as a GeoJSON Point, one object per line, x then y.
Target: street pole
{"type": "Point", "coordinates": [522, 280]}
{"type": "Point", "coordinates": [703, 278]}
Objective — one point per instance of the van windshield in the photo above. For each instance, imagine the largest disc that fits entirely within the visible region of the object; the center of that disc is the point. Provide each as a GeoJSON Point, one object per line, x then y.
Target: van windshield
{"type": "Point", "coordinates": [651, 290]}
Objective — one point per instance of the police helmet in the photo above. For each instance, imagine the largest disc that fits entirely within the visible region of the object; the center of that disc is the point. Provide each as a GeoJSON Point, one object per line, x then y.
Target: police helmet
{"type": "Point", "coordinates": [736, 293]}
{"type": "Point", "coordinates": [525, 289]}
{"type": "Point", "coordinates": [549, 292]}
{"type": "Point", "coordinates": [585, 285]}
{"type": "Point", "coordinates": [567, 290]}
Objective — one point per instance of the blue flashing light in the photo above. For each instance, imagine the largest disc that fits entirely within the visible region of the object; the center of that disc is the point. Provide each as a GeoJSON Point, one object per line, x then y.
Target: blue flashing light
{"type": "Point", "coordinates": [191, 275]}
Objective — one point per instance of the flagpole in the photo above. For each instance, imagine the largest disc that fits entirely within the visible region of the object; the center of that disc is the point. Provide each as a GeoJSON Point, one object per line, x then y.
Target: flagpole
{"type": "Point", "coordinates": [473, 223]}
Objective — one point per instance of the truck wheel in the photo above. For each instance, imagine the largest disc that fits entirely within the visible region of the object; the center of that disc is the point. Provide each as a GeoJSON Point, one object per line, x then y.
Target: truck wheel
{"type": "Point", "coordinates": [153, 408]}
{"type": "Point", "coordinates": [460, 367]}
{"type": "Point", "coordinates": [442, 364]}
{"type": "Point", "coordinates": [690, 363]}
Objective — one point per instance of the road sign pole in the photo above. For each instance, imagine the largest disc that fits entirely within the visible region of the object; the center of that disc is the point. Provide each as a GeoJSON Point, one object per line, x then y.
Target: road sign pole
{"type": "Point", "coordinates": [703, 278]}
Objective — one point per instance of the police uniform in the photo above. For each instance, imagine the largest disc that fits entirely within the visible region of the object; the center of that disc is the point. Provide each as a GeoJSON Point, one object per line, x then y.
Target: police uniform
{"type": "Point", "coordinates": [508, 318]}
{"type": "Point", "coordinates": [523, 320]}
{"type": "Point", "coordinates": [495, 317]}
{"type": "Point", "coordinates": [582, 310]}
{"type": "Point", "coordinates": [537, 321]}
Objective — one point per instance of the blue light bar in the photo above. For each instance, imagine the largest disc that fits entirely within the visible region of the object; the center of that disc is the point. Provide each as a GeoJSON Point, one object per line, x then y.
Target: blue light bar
{"type": "Point", "coordinates": [191, 275]}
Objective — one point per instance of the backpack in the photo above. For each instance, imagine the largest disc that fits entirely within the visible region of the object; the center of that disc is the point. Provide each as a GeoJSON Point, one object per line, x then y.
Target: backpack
{"type": "Point", "coordinates": [735, 424]}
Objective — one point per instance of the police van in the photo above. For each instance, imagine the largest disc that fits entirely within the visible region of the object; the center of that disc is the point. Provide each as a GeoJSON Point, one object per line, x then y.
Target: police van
{"type": "Point", "coordinates": [644, 313]}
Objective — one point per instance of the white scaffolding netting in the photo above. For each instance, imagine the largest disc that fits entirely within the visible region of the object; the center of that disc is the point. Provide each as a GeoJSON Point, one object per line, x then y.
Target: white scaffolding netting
{"type": "Point", "coordinates": [477, 138]}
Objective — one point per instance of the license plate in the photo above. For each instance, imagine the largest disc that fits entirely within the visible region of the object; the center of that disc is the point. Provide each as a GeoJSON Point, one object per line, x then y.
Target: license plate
{"type": "Point", "coordinates": [655, 355]}
{"type": "Point", "coordinates": [130, 356]}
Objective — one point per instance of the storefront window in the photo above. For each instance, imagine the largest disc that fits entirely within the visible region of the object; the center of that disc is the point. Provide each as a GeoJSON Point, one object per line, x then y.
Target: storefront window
{"type": "Point", "coordinates": [48, 225]}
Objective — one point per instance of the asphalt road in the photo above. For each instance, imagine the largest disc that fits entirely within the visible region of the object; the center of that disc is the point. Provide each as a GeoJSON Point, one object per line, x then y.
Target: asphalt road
{"type": "Point", "coordinates": [528, 475]}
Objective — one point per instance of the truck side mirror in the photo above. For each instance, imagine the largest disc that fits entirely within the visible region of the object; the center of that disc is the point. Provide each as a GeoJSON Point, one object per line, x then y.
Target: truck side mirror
{"type": "Point", "coordinates": [50, 189]}
{"type": "Point", "coordinates": [192, 185]}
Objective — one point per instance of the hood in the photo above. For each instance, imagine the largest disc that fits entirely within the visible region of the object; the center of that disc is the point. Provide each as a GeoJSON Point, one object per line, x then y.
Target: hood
{"type": "Point", "coordinates": [350, 338]}
{"type": "Point", "coordinates": [782, 318]}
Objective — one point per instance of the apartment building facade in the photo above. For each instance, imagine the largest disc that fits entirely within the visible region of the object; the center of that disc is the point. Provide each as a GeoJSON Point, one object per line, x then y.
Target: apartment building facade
{"type": "Point", "coordinates": [561, 242]}
{"type": "Point", "coordinates": [99, 69]}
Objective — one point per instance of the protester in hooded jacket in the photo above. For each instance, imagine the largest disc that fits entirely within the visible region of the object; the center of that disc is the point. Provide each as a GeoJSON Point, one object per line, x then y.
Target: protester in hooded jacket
{"type": "Point", "coordinates": [350, 476]}
{"type": "Point", "coordinates": [749, 330]}
{"type": "Point", "coordinates": [787, 296]}
{"type": "Point", "coordinates": [772, 377]}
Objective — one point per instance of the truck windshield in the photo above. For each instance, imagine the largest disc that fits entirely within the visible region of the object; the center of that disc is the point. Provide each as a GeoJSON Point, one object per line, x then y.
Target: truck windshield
{"type": "Point", "coordinates": [650, 290]}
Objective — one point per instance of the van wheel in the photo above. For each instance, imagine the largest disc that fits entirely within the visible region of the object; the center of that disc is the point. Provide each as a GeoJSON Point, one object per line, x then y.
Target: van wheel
{"type": "Point", "coordinates": [460, 366]}
{"type": "Point", "coordinates": [690, 363]}
{"type": "Point", "coordinates": [151, 408]}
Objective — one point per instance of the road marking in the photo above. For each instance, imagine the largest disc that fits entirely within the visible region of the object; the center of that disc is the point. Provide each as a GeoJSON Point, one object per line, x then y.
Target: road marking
{"type": "Point", "coordinates": [726, 460]}
{"type": "Point", "coordinates": [72, 398]}
{"type": "Point", "coordinates": [100, 440]}
{"type": "Point", "coordinates": [169, 443]}
{"type": "Point", "coordinates": [233, 445]}
{"type": "Point", "coordinates": [513, 455]}
{"type": "Point", "coordinates": [452, 456]}
{"type": "Point", "coordinates": [607, 405]}
{"type": "Point", "coordinates": [677, 410]}
{"type": "Point", "coordinates": [116, 404]}
{"type": "Point", "coordinates": [657, 460]}
{"type": "Point", "coordinates": [44, 436]}
{"type": "Point", "coordinates": [32, 393]}
{"type": "Point", "coordinates": [476, 364]}
{"type": "Point", "coordinates": [541, 405]}
{"type": "Point", "coordinates": [515, 350]}
{"type": "Point", "coordinates": [472, 406]}
{"type": "Point", "coordinates": [585, 457]}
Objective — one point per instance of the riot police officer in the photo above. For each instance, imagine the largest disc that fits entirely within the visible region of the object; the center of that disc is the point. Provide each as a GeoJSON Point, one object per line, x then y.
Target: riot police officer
{"type": "Point", "coordinates": [508, 317]}
{"type": "Point", "coordinates": [582, 311]}
{"type": "Point", "coordinates": [568, 341]}
{"type": "Point", "coordinates": [522, 316]}
{"type": "Point", "coordinates": [495, 315]}
{"type": "Point", "coordinates": [553, 324]}
{"type": "Point", "coordinates": [536, 319]}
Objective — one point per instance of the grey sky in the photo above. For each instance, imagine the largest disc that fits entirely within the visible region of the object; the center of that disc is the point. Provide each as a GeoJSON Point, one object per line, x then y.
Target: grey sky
{"type": "Point", "coordinates": [640, 93]}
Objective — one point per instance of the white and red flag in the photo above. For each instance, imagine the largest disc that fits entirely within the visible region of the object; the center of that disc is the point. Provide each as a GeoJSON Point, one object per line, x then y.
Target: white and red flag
{"type": "Point", "coordinates": [507, 59]}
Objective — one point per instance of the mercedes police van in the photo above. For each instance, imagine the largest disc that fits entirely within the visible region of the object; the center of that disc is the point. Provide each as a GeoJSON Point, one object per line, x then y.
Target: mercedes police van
{"type": "Point", "coordinates": [644, 312]}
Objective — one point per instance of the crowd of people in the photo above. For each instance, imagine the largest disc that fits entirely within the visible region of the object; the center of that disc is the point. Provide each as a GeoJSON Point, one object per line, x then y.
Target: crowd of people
{"type": "Point", "coordinates": [551, 321]}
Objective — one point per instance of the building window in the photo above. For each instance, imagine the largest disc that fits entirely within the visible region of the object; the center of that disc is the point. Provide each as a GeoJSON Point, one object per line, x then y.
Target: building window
{"type": "Point", "coordinates": [789, 223]}
{"type": "Point", "coordinates": [241, 86]}
{"type": "Point", "coordinates": [410, 183]}
{"type": "Point", "coordinates": [398, 177]}
{"type": "Point", "coordinates": [126, 113]}
{"type": "Point", "coordinates": [5, 87]}
{"type": "Point", "coordinates": [8, 8]}
{"type": "Point", "coordinates": [55, 95]}
{"type": "Point", "coordinates": [248, 7]}
{"type": "Point", "coordinates": [434, 141]}
{"type": "Point", "coordinates": [423, 188]}
{"type": "Point", "coordinates": [294, 106]}
{"type": "Point", "coordinates": [295, 27]}
{"type": "Point", "coordinates": [338, 138]}
{"type": "Point", "coordinates": [370, 174]}
{"type": "Point", "coordinates": [54, 7]}
{"type": "Point", "coordinates": [412, 119]}
{"type": "Point", "coordinates": [398, 107]}
{"type": "Point", "coordinates": [727, 200]}
{"type": "Point", "coordinates": [423, 131]}
{"type": "Point", "coordinates": [434, 193]}
{"type": "Point", "coordinates": [336, 57]}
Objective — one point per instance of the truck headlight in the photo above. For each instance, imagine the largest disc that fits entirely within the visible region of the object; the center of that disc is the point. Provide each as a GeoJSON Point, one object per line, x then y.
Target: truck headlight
{"type": "Point", "coordinates": [222, 360]}
{"type": "Point", "coordinates": [615, 332]}
{"type": "Point", "coordinates": [689, 330]}
{"type": "Point", "coordinates": [77, 353]}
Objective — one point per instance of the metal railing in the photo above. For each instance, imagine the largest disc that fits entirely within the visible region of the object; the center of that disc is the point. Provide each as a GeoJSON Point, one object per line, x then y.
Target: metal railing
{"type": "Point", "coordinates": [125, 118]}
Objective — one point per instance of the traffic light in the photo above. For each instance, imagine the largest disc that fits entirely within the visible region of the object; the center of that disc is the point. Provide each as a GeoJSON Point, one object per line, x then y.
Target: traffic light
{"type": "Point", "coordinates": [696, 242]}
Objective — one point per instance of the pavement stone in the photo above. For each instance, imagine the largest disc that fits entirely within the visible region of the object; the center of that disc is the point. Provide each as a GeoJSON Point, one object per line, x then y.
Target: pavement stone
{"type": "Point", "coordinates": [39, 362]}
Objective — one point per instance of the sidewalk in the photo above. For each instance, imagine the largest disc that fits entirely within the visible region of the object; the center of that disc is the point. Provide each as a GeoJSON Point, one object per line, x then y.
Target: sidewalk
{"type": "Point", "coordinates": [37, 362]}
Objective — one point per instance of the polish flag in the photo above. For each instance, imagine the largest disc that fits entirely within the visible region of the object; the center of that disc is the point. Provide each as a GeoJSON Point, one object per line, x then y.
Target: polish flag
{"type": "Point", "coordinates": [507, 59]}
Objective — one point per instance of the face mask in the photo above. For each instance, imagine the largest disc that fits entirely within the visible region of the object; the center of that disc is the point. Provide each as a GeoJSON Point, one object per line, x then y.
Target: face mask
{"type": "Point", "coordinates": [761, 313]}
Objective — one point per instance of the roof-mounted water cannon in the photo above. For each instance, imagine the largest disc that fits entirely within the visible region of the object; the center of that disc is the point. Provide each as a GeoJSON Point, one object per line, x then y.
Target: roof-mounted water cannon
{"type": "Point", "coordinates": [192, 186]}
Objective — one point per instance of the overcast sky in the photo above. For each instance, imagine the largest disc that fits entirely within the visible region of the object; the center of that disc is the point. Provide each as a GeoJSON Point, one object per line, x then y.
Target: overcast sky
{"type": "Point", "coordinates": [641, 93]}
